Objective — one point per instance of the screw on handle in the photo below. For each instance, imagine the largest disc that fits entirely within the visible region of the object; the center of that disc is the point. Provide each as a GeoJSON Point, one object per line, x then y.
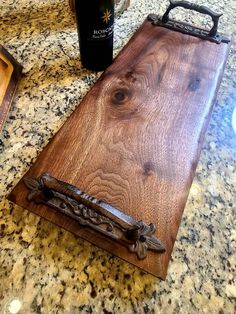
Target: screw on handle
{"type": "Point", "coordinates": [195, 7]}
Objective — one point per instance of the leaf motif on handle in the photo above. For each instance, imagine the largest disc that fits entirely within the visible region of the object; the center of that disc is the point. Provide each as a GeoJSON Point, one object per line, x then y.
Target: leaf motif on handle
{"type": "Point", "coordinates": [137, 236]}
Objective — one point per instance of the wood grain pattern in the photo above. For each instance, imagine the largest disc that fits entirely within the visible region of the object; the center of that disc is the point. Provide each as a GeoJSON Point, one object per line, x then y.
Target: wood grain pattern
{"type": "Point", "coordinates": [135, 139]}
{"type": "Point", "coordinates": [10, 71]}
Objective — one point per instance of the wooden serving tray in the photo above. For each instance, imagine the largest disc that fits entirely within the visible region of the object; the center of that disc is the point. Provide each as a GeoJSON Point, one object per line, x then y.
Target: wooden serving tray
{"type": "Point", "coordinates": [133, 142]}
{"type": "Point", "coordinates": [10, 71]}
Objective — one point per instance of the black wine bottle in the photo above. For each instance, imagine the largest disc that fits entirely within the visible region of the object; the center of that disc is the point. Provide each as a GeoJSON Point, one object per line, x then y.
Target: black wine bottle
{"type": "Point", "coordinates": [95, 22]}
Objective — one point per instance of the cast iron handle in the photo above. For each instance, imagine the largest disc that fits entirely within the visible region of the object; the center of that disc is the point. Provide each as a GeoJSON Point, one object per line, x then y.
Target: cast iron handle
{"type": "Point", "coordinates": [137, 236]}
{"type": "Point", "coordinates": [195, 7]}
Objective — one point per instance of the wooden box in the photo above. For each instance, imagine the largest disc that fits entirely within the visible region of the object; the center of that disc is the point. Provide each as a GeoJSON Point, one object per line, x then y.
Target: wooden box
{"type": "Point", "coordinates": [132, 145]}
{"type": "Point", "coordinates": [10, 72]}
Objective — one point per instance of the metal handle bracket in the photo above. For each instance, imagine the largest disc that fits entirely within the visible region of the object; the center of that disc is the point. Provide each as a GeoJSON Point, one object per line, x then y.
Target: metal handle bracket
{"type": "Point", "coordinates": [195, 7]}
{"type": "Point", "coordinates": [186, 28]}
{"type": "Point", "coordinates": [137, 236]}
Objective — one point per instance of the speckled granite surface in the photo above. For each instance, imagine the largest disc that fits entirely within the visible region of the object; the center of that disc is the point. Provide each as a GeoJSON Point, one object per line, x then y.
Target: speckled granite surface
{"type": "Point", "coordinates": [44, 269]}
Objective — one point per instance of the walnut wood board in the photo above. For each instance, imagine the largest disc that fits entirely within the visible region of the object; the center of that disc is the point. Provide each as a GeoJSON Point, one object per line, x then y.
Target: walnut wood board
{"type": "Point", "coordinates": [10, 71]}
{"type": "Point", "coordinates": [135, 139]}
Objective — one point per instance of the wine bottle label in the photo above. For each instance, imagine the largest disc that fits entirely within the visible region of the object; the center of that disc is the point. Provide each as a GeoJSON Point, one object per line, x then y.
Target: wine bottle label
{"type": "Point", "coordinates": [103, 33]}
{"type": "Point", "coordinates": [95, 21]}
{"type": "Point", "coordinates": [104, 25]}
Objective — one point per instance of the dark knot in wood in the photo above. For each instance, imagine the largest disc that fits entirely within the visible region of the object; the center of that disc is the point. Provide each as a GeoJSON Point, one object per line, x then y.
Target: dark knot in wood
{"type": "Point", "coordinates": [120, 96]}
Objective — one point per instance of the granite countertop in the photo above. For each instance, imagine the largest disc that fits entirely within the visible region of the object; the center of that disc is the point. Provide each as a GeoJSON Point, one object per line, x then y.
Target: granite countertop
{"type": "Point", "coordinates": [44, 269]}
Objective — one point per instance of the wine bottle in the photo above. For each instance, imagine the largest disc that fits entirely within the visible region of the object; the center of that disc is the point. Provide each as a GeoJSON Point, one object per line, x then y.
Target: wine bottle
{"type": "Point", "coordinates": [95, 22]}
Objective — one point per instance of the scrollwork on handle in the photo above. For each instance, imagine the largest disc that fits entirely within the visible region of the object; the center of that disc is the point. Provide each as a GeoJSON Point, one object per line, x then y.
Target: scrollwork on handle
{"type": "Point", "coordinates": [137, 236]}
{"type": "Point", "coordinates": [195, 7]}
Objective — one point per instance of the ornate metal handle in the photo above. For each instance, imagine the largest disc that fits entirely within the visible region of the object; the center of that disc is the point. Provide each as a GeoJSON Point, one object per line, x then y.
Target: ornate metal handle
{"type": "Point", "coordinates": [137, 236]}
{"type": "Point", "coordinates": [195, 7]}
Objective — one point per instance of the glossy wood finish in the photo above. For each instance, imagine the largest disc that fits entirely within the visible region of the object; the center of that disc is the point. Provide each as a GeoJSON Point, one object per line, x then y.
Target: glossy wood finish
{"type": "Point", "coordinates": [10, 71]}
{"type": "Point", "coordinates": [135, 139]}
